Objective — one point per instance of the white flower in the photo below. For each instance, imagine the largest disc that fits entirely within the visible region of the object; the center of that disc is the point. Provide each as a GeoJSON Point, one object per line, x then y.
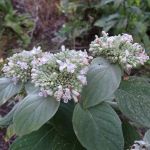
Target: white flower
{"type": "Point", "coordinates": [62, 65]}
{"type": "Point", "coordinates": [43, 93]}
{"type": "Point", "coordinates": [36, 50]}
{"type": "Point", "coordinates": [67, 95]}
{"type": "Point", "coordinates": [43, 60]}
{"type": "Point", "coordinates": [19, 65]}
{"type": "Point", "coordinates": [61, 75]}
{"type": "Point", "coordinates": [82, 78]}
{"type": "Point", "coordinates": [58, 94]}
{"type": "Point", "coordinates": [63, 48]}
{"type": "Point", "coordinates": [75, 95]}
{"type": "Point", "coordinates": [127, 53]}
{"type": "Point", "coordinates": [104, 33]}
{"type": "Point", "coordinates": [143, 57]}
{"type": "Point", "coordinates": [70, 66]}
{"type": "Point", "coordinates": [15, 80]}
{"type": "Point", "coordinates": [126, 38]}
{"type": "Point", "coordinates": [140, 145]}
{"type": "Point", "coordinates": [23, 65]}
{"type": "Point", "coordinates": [119, 49]}
{"type": "Point", "coordinates": [84, 70]}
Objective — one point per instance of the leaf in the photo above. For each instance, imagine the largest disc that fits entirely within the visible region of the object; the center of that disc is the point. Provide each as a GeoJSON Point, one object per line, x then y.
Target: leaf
{"type": "Point", "coordinates": [98, 127]}
{"type": "Point", "coordinates": [107, 22]}
{"type": "Point", "coordinates": [30, 88]}
{"type": "Point", "coordinates": [33, 112]}
{"type": "Point", "coordinates": [146, 41]}
{"type": "Point", "coordinates": [105, 2]}
{"type": "Point", "coordinates": [8, 89]}
{"type": "Point", "coordinates": [130, 134]}
{"type": "Point", "coordinates": [63, 120]}
{"type": "Point", "coordinates": [8, 119]}
{"type": "Point", "coordinates": [103, 79]}
{"type": "Point", "coordinates": [133, 98]}
{"type": "Point", "coordinates": [46, 138]}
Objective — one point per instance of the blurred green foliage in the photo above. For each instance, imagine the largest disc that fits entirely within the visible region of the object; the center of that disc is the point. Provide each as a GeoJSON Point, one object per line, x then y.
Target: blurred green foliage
{"type": "Point", "coordinates": [12, 22]}
{"type": "Point", "coordinates": [113, 16]}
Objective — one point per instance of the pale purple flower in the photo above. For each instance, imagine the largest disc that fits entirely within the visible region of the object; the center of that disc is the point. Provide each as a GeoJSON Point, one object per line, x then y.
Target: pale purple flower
{"type": "Point", "coordinates": [43, 93]}
{"type": "Point", "coordinates": [82, 79]}
{"type": "Point", "coordinates": [75, 95]}
{"type": "Point", "coordinates": [126, 38]}
{"type": "Point", "coordinates": [67, 95]}
{"type": "Point", "coordinates": [62, 65]}
{"type": "Point", "coordinates": [70, 67]}
{"type": "Point", "coordinates": [59, 93]}
{"type": "Point", "coordinates": [84, 70]}
{"type": "Point", "coordinates": [15, 80]}
{"type": "Point", "coordinates": [43, 60]}
{"type": "Point", "coordinates": [23, 65]}
{"type": "Point", "coordinates": [110, 41]}
{"type": "Point", "coordinates": [143, 57]}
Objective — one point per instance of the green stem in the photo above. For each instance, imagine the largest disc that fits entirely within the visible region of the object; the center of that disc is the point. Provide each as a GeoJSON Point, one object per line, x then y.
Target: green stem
{"type": "Point", "coordinates": [114, 105]}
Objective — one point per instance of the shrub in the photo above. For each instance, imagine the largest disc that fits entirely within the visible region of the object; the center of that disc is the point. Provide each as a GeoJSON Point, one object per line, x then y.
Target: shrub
{"type": "Point", "coordinates": [75, 101]}
{"type": "Point", "coordinates": [123, 16]}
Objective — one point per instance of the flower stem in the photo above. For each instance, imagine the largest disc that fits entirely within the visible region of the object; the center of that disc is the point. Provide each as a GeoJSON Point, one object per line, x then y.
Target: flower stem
{"type": "Point", "coordinates": [113, 105]}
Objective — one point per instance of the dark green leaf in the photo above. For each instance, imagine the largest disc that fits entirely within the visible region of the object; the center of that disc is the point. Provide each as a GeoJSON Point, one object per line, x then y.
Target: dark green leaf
{"type": "Point", "coordinates": [103, 79]}
{"type": "Point", "coordinates": [30, 88]}
{"type": "Point", "coordinates": [8, 89]}
{"type": "Point", "coordinates": [105, 2]}
{"type": "Point", "coordinates": [107, 22]}
{"type": "Point", "coordinates": [46, 138]}
{"type": "Point", "coordinates": [130, 134]}
{"type": "Point", "coordinates": [133, 98]}
{"type": "Point", "coordinates": [98, 127]}
{"type": "Point", "coordinates": [63, 120]}
{"type": "Point", "coordinates": [33, 112]}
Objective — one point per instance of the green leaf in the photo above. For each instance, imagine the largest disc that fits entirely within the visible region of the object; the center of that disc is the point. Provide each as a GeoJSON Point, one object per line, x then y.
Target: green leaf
{"type": "Point", "coordinates": [33, 112]}
{"type": "Point", "coordinates": [103, 79]}
{"type": "Point", "coordinates": [63, 120]}
{"type": "Point", "coordinates": [98, 127]}
{"type": "Point", "coordinates": [8, 119]}
{"type": "Point", "coordinates": [105, 2]}
{"type": "Point", "coordinates": [147, 137]}
{"type": "Point", "coordinates": [30, 88]}
{"type": "Point", "coordinates": [107, 22]}
{"type": "Point", "coordinates": [46, 138]}
{"type": "Point", "coordinates": [133, 98]}
{"type": "Point", "coordinates": [8, 89]}
{"type": "Point", "coordinates": [130, 134]}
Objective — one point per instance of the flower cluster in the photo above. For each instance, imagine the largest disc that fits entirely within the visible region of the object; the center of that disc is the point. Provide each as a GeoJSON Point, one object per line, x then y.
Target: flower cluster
{"type": "Point", "coordinates": [119, 49]}
{"type": "Point", "coordinates": [140, 145]}
{"type": "Point", "coordinates": [61, 75]}
{"type": "Point", "coordinates": [19, 65]}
